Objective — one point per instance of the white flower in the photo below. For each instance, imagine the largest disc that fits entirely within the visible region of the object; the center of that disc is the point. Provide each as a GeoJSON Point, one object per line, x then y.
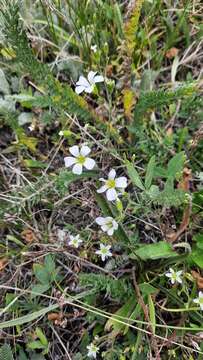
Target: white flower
{"type": "Point", "coordinates": [199, 300]}
{"type": "Point", "coordinates": [94, 48]}
{"type": "Point", "coordinates": [104, 251]}
{"type": "Point", "coordinates": [108, 224]}
{"type": "Point", "coordinates": [88, 85]}
{"type": "Point", "coordinates": [92, 350]}
{"type": "Point", "coordinates": [75, 241]}
{"type": "Point", "coordinates": [31, 127]}
{"type": "Point", "coordinates": [60, 133]}
{"type": "Point", "coordinates": [111, 184]}
{"type": "Point", "coordinates": [175, 276]}
{"type": "Point", "coordinates": [79, 159]}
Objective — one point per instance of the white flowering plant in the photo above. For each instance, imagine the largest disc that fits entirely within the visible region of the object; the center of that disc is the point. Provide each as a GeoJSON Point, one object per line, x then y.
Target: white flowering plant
{"type": "Point", "coordinates": [101, 252]}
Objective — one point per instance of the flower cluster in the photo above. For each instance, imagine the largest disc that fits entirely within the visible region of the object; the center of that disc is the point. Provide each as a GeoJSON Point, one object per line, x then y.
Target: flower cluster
{"type": "Point", "coordinates": [113, 187]}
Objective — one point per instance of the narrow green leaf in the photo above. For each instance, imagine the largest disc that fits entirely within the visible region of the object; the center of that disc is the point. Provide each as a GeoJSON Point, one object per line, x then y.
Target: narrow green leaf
{"type": "Point", "coordinates": [29, 163]}
{"type": "Point", "coordinates": [41, 336]}
{"type": "Point", "coordinates": [29, 317]}
{"type": "Point", "coordinates": [36, 314]}
{"type": "Point", "coordinates": [152, 313]}
{"type": "Point", "coordinates": [150, 172]}
{"type": "Point", "coordinates": [134, 176]}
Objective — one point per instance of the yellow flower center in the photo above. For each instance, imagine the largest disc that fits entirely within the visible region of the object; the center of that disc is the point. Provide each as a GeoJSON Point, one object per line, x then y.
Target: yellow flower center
{"type": "Point", "coordinates": [111, 184]}
{"type": "Point", "coordinates": [81, 159]}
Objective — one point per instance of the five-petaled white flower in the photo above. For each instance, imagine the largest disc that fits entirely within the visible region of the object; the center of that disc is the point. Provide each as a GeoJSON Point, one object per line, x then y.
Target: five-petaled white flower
{"type": "Point", "coordinates": [75, 241]}
{"type": "Point", "coordinates": [175, 276]}
{"type": "Point", "coordinates": [199, 300]}
{"type": "Point", "coordinates": [61, 133]}
{"type": "Point", "coordinates": [94, 48]}
{"type": "Point", "coordinates": [111, 184]}
{"type": "Point", "coordinates": [92, 350]}
{"type": "Point", "coordinates": [80, 159]}
{"type": "Point", "coordinates": [108, 224]}
{"type": "Point", "coordinates": [88, 84]}
{"type": "Point", "coordinates": [104, 251]}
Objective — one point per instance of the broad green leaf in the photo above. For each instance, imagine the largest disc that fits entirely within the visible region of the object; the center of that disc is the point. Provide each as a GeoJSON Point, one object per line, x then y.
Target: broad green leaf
{"type": "Point", "coordinates": [49, 263]}
{"type": "Point", "coordinates": [41, 273]}
{"type": "Point", "coordinates": [134, 176]}
{"type": "Point", "coordinates": [176, 165]}
{"type": "Point", "coordinates": [199, 240]}
{"type": "Point", "coordinates": [147, 289]}
{"type": "Point", "coordinates": [197, 257]}
{"type": "Point", "coordinates": [25, 118]}
{"type": "Point", "coordinates": [40, 289]}
{"type": "Point", "coordinates": [155, 251]}
{"type": "Point", "coordinates": [150, 172]}
{"type": "Point", "coordinates": [152, 313]}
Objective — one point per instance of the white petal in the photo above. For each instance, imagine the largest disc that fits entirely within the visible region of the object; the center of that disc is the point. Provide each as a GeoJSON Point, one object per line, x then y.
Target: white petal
{"type": "Point", "coordinates": [77, 169]}
{"type": "Point", "coordinates": [112, 174]}
{"type": "Point", "coordinates": [69, 161]}
{"type": "Point", "coordinates": [89, 163]}
{"type": "Point", "coordinates": [85, 150]}
{"type": "Point", "coordinates": [98, 78]}
{"type": "Point", "coordinates": [102, 189]}
{"type": "Point", "coordinates": [179, 280]}
{"type": "Point", "coordinates": [172, 281]}
{"type": "Point", "coordinates": [168, 274]}
{"type": "Point", "coordinates": [201, 306]}
{"type": "Point", "coordinates": [100, 220]}
{"type": "Point", "coordinates": [110, 232]}
{"type": "Point", "coordinates": [89, 89]}
{"type": "Point", "coordinates": [179, 272]}
{"type": "Point", "coordinates": [121, 182]}
{"type": "Point", "coordinates": [105, 227]}
{"type": "Point", "coordinates": [115, 225]}
{"type": "Point", "coordinates": [111, 194]}
{"type": "Point", "coordinates": [74, 150]}
{"type": "Point", "coordinates": [79, 89]}
{"type": "Point", "coordinates": [200, 294]}
{"type": "Point", "coordinates": [102, 179]}
{"type": "Point", "coordinates": [196, 301]}
{"type": "Point", "coordinates": [91, 76]}
{"type": "Point", "coordinates": [82, 82]}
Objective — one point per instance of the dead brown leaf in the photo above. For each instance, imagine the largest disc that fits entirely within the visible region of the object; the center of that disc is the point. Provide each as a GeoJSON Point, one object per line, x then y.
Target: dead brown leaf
{"type": "Point", "coordinates": [28, 235]}
{"type": "Point", "coordinates": [184, 184]}
{"type": "Point", "coordinates": [3, 263]}
{"type": "Point", "coordinates": [198, 278]}
{"type": "Point", "coordinates": [173, 236]}
{"type": "Point", "coordinates": [171, 53]}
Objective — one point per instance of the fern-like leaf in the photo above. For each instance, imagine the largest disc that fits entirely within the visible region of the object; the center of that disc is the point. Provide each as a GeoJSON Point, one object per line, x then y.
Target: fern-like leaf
{"type": "Point", "coordinates": [6, 353]}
